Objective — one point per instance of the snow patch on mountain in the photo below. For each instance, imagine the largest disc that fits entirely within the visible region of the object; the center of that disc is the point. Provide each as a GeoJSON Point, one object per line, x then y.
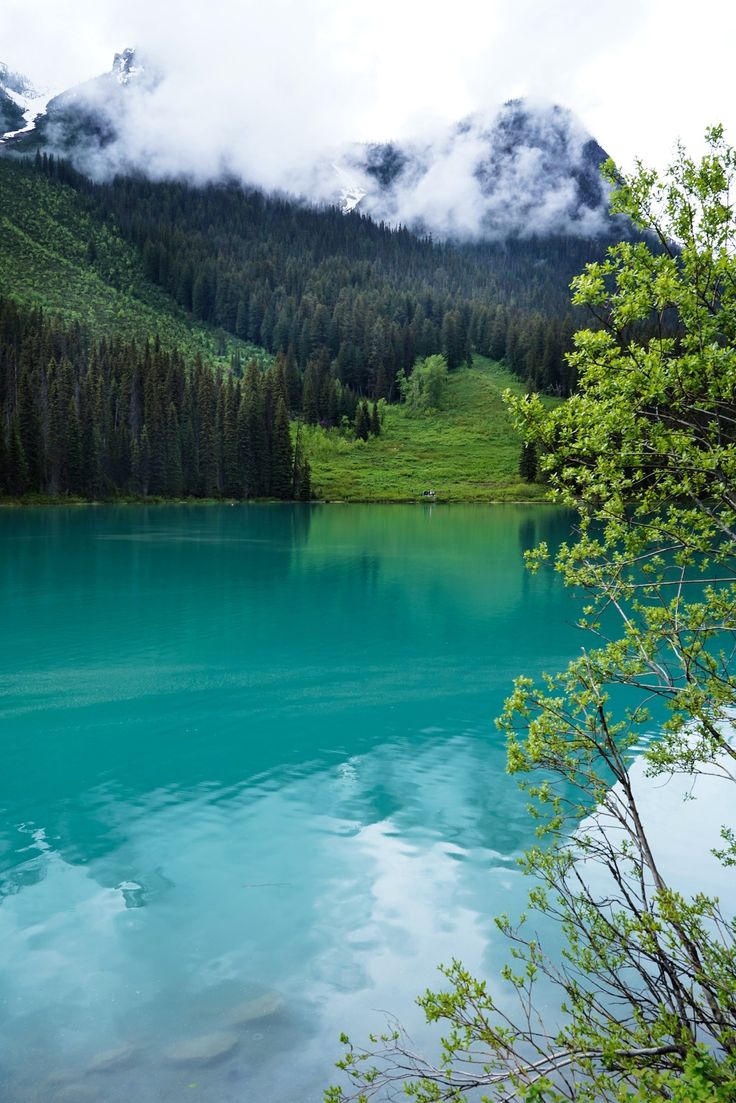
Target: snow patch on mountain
{"type": "Point", "coordinates": [351, 192]}
{"type": "Point", "coordinates": [30, 101]}
{"type": "Point", "coordinates": [33, 104]}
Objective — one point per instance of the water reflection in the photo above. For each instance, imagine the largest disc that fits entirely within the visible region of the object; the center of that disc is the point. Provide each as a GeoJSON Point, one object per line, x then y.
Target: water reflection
{"type": "Point", "coordinates": [250, 751]}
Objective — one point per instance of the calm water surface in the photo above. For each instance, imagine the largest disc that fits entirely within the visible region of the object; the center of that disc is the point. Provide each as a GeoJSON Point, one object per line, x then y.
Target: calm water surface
{"type": "Point", "coordinates": [250, 750]}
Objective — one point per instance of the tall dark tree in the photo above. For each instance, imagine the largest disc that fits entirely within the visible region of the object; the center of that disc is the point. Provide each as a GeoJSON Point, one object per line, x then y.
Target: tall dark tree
{"type": "Point", "coordinates": [362, 421]}
{"type": "Point", "coordinates": [281, 473]}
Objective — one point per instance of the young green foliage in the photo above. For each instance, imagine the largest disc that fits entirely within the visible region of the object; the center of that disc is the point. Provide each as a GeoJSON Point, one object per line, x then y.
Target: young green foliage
{"type": "Point", "coordinates": [425, 388]}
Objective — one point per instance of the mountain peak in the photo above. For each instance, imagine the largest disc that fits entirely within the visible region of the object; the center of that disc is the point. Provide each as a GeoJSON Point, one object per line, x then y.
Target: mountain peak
{"type": "Point", "coordinates": [125, 66]}
{"type": "Point", "coordinates": [527, 168]}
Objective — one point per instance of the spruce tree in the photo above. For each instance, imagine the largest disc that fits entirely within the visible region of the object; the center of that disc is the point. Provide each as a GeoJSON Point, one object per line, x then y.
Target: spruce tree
{"type": "Point", "coordinates": [18, 481]}
{"type": "Point", "coordinates": [362, 421]}
{"type": "Point", "coordinates": [253, 434]}
{"type": "Point", "coordinates": [136, 482]}
{"type": "Point", "coordinates": [293, 382]}
{"type": "Point", "coordinates": [281, 474]}
{"type": "Point", "coordinates": [231, 480]}
{"type": "Point", "coordinates": [528, 462]}
{"type": "Point", "coordinates": [3, 455]}
{"type": "Point", "coordinates": [303, 491]}
{"type": "Point", "coordinates": [73, 458]}
{"type": "Point", "coordinates": [174, 472]}
{"type": "Point", "coordinates": [375, 420]}
{"type": "Point", "coordinates": [310, 409]}
{"type": "Point", "coordinates": [145, 461]}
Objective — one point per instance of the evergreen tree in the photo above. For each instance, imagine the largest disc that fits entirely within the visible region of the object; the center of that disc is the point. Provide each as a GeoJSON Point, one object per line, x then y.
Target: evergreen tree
{"type": "Point", "coordinates": [18, 480]}
{"type": "Point", "coordinates": [231, 471]}
{"type": "Point", "coordinates": [73, 451]}
{"type": "Point", "coordinates": [528, 462]}
{"type": "Point", "coordinates": [145, 462]}
{"type": "Point", "coordinates": [362, 421]}
{"type": "Point", "coordinates": [174, 471]}
{"type": "Point", "coordinates": [136, 476]}
{"type": "Point", "coordinates": [281, 473]}
{"type": "Point", "coordinates": [375, 420]}
{"type": "Point", "coordinates": [310, 408]}
{"type": "Point", "coordinates": [254, 434]}
{"type": "Point", "coordinates": [293, 382]}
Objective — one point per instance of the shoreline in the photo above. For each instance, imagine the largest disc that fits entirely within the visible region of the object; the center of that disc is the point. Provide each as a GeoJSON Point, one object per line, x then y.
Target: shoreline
{"type": "Point", "coordinates": [52, 503]}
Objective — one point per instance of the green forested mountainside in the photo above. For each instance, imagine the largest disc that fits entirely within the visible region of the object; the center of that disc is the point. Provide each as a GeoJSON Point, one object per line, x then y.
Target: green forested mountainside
{"type": "Point", "coordinates": [107, 418]}
{"type": "Point", "coordinates": [355, 301]}
{"type": "Point", "coordinates": [58, 253]}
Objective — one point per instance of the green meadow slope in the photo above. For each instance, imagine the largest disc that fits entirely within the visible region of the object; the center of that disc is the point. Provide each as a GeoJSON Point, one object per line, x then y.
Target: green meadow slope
{"type": "Point", "coordinates": [56, 253]}
{"type": "Point", "coordinates": [467, 452]}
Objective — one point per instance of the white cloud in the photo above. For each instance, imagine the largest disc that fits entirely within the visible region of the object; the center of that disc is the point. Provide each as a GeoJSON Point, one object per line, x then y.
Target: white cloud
{"type": "Point", "coordinates": [261, 88]}
{"type": "Point", "coordinates": [639, 72]}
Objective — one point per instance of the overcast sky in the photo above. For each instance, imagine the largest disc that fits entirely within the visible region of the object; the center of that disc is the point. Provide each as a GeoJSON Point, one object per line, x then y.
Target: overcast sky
{"type": "Point", "coordinates": [639, 73]}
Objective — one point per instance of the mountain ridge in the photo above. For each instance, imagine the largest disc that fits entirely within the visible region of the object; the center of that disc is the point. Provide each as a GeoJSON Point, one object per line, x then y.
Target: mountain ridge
{"type": "Point", "coordinates": [527, 169]}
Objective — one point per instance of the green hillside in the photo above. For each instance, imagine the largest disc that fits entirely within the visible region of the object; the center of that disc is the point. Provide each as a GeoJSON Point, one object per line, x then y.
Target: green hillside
{"type": "Point", "coordinates": [58, 254]}
{"type": "Point", "coordinates": [466, 452]}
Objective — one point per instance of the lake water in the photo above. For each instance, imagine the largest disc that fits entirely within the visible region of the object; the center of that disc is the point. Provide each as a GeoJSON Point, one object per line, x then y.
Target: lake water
{"type": "Point", "coordinates": [251, 786]}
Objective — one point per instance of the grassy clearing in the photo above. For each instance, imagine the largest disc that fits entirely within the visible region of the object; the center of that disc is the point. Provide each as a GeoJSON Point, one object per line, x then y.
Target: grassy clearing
{"type": "Point", "coordinates": [467, 452]}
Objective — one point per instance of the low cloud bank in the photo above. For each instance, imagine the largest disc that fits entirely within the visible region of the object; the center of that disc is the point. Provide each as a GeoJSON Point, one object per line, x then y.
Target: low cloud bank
{"type": "Point", "coordinates": [526, 168]}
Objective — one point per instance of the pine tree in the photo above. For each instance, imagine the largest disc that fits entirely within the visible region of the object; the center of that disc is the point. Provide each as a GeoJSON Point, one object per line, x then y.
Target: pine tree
{"type": "Point", "coordinates": [281, 473]}
{"type": "Point", "coordinates": [362, 421]}
{"type": "Point", "coordinates": [303, 489]}
{"type": "Point", "coordinates": [145, 461]}
{"type": "Point", "coordinates": [18, 481]}
{"type": "Point", "coordinates": [73, 452]}
{"type": "Point", "coordinates": [231, 480]}
{"type": "Point", "coordinates": [375, 420]}
{"type": "Point", "coordinates": [136, 480]}
{"type": "Point", "coordinates": [3, 455]}
{"type": "Point", "coordinates": [310, 408]}
{"type": "Point", "coordinates": [293, 382]}
{"type": "Point", "coordinates": [174, 472]}
{"type": "Point", "coordinates": [208, 484]}
{"type": "Point", "coordinates": [29, 424]}
{"type": "Point", "coordinates": [254, 434]}
{"type": "Point", "coordinates": [55, 448]}
{"type": "Point", "coordinates": [301, 482]}
{"type": "Point", "coordinates": [528, 462]}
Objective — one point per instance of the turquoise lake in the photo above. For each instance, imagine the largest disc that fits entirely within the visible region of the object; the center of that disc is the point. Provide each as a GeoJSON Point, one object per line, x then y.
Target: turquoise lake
{"type": "Point", "coordinates": [252, 792]}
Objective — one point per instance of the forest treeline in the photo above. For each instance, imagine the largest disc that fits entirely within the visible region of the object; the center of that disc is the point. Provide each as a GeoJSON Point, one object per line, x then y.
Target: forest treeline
{"type": "Point", "coordinates": [107, 418]}
{"type": "Point", "coordinates": [351, 300]}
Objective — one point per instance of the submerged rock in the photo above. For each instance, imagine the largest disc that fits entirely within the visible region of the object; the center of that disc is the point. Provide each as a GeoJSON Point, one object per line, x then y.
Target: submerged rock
{"type": "Point", "coordinates": [75, 1093]}
{"type": "Point", "coordinates": [112, 1059]}
{"type": "Point", "coordinates": [59, 1080]}
{"type": "Point", "coordinates": [261, 1007]}
{"type": "Point", "coordinates": [204, 1050]}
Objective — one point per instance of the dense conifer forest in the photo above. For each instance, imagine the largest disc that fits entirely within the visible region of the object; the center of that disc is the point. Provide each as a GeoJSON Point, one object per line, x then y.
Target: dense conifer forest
{"type": "Point", "coordinates": [107, 419]}
{"type": "Point", "coordinates": [356, 301]}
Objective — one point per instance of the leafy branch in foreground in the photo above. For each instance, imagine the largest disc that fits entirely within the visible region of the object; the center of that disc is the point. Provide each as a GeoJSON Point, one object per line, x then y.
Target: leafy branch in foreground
{"type": "Point", "coordinates": [641, 1002]}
